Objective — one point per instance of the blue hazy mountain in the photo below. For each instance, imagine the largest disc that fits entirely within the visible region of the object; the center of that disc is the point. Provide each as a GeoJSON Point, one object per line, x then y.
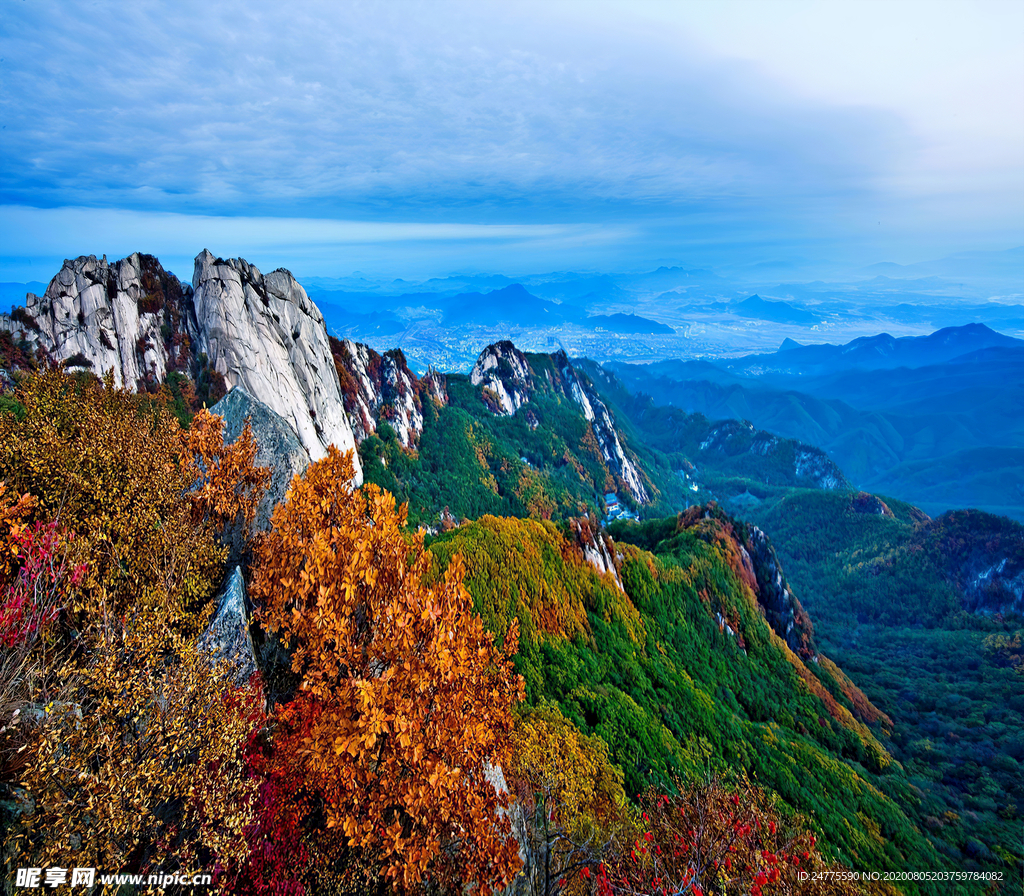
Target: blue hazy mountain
{"type": "Point", "coordinates": [777, 312]}
{"type": "Point", "coordinates": [937, 420]}
{"type": "Point", "coordinates": [879, 352]}
{"type": "Point", "coordinates": [509, 305]}
{"type": "Point", "coordinates": [626, 323]}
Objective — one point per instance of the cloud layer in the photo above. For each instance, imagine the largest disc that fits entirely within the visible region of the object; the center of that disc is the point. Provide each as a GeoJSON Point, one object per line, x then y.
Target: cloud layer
{"type": "Point", "coordinates": [473, 113]}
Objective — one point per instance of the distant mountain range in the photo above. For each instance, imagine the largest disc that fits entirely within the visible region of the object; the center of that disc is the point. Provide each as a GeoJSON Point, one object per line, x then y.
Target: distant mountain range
{"type": "Point", "coordinates": [881, 352]}
{"type": "Point", "coordinates": [937, 420]}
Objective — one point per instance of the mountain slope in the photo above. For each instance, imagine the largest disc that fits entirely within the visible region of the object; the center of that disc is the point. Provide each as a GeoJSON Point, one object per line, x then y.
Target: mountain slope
{"type": "Point", "coordinates": [915, 610]}
{"type": "Point", "coordinates": [679, 669]}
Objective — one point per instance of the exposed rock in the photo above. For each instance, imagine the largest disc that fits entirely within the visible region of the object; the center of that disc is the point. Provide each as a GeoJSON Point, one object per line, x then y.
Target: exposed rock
{"type": "Point", "coordinates": [863, 502]}
{"type": "Point", "coordinates": [128, 316]}
{"type": "Point", "coordinates": [380, 388]}
{"type": "Point", "coordinates": [436, 386]}
{"type": "Point", "coordinates": [265, 335]}
{"type": "Point", "coordinates": [751, 554]}
{"type": "Point", "coordinates": [805, 462]}
{"type": "Point", "coordinates": [582, 391]}
{"type": "Point", "coordinates": [598, 548]}
{"type": "Point", "coordinates": [814, 464]}
{"type": "Point", "coordinates": [504, 374]}
{"type": "Point", "coordinates": [277, 446]}
{"type": "Point", "coordinates": [781, 607]}
{"type": "Point", "coordinates": [509, 382]}
{"type": "Point", "coordinates": [232, 327]}
{"type": "Point", "coordinates": [227, 636]}
{"type": "Point", "coordinates": [981, 555]}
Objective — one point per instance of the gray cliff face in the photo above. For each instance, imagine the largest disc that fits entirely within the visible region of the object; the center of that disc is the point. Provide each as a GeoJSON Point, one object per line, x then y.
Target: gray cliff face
{"type": "Point", "coordinates": [509, 382]}
{"type": "Point", "coordinates": [780, 606]}
{"type": "Point", "coordinates": [277, 446]}
{"type": "Point", "coordinates": [227, 637]}
{"type": "Point", "coordinates": [115, 316]}
{"type": "Point", "coordinates": [260, 333]}
{"type": "Point", "coordinates": [598, 548]}
{"type": "Point", "coordinates": [382, 388]}
{"type": "Point", "coordinates": [266, 336]}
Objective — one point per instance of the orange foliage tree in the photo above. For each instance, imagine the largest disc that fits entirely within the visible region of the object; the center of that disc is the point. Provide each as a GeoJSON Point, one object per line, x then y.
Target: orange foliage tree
{"type": "Point", "coordinates": [405, 702]}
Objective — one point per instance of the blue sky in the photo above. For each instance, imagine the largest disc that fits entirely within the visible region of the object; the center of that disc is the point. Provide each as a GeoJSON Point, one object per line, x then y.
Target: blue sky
{"type": "Point", "coordinates": [414, 139]}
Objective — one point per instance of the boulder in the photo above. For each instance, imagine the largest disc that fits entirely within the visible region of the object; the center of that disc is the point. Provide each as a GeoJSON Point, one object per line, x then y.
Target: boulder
{"type": "Point", "coordinates": [277, 446]}
{"type": "Point", "coordinates": [227, 636]}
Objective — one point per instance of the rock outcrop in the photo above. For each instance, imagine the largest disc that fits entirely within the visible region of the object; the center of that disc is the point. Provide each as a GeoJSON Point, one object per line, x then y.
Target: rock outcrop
{"type": "Point", "coordinates": [503, 372]}
{"type": "Point", "coordinates": [582, 391]}
{"type": "Point", "coordinates": [128, 316]}
{"type": "Point", "coordinates": [752, 556]}
{"type": "Point", "coordinates": [795, 460]}
{"type": "Point", "coordinates": [509, 381]}
{"type": "Point", "coordinates": [277, 446]}
{"type": "Point", "coordinates": [227, 636]}
{"type": "Point", "coordinates": [597, 547]}
{"type": "Point", "coordinates": [233, 327]}
{"type": "Point", "coordinates": [980, 555]}
{"type": "Point", "coordinates": [264, 334]}
{"type": "Point", "coordinates": [378, 388]}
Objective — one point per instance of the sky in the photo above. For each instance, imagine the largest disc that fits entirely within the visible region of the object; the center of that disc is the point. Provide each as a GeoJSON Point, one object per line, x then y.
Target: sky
{"type": "Point", "coordinates": [414, 139]}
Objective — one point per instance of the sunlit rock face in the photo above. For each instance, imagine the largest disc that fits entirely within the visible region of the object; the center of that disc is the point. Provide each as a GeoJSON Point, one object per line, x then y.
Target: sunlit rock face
{"type": "Point", "coordinates": [264, 334]}
{"type": "Point", "coordinates": [260, 333]}
{"type": "Point", "coordinates": [582, 391]}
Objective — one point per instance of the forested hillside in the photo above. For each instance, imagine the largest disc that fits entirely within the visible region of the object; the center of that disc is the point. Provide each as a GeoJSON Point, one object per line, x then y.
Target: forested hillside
{"type": "Point", "coordinates": [926, 616]}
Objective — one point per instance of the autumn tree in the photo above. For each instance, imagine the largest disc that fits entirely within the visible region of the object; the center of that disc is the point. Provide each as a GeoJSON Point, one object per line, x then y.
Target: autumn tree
{"type": "Point", "coordinates": [708, 839]}
{"type": "Point", "coordinates": [405, 701]}
{"type": "Point", "coordinates": [571, 809]}
{"type": "Point", "coordinates": [135, 740]}
{"type": "Point", "coordinates": [145, 501]}
{"type": "Point", "coordinates": [147, 772]}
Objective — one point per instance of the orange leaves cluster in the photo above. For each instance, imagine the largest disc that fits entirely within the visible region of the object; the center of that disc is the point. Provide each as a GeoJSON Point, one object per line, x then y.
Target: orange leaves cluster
{"type": "Point", "coordinates": [404, 699]}
{"type": "Point", "coordinates": [225, 482]}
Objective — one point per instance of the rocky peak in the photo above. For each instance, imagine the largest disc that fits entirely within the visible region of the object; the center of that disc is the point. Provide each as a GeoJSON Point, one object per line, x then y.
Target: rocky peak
{"type": "Point", "coordinates": [580, 389]}
{"type": "Point", "coordinates": [263, 333]}
{"type": "Point", "coordinates": [752, 556]}
{"type": "Point", "coordinates": [862, 502]}
{"type": "Point", "coordinates": [129, 316]}
{"type": "Point", "coordinates": [735, 437]}
{"type": "Point", "coordinates": [503, 372]}
{"type": "Point", "coordinates": [234, 327]}
{"type": "Point", "coordinates": [980, 555]}
{"type": "Point", "coordinates": [378, 388]}
{"type": "Point", "coordinates": [597, 547]}
{"type": "Point", "coordinates": [509, 381]}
